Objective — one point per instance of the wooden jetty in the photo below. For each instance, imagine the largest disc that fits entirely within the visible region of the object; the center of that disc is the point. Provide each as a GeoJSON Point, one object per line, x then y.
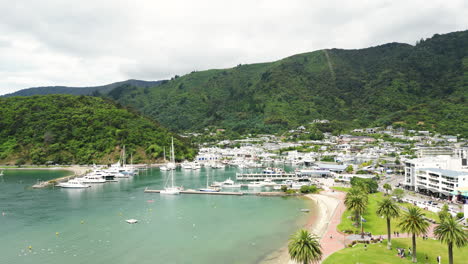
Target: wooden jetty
{"type": "Point", "coordinates": [198, 192]}
{"type": "Point", "coordinates": [263, 176]}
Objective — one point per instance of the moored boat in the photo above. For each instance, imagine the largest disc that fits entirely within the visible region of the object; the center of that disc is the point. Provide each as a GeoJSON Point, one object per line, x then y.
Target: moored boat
{"type": "Point", "coordinates": [73, 184]}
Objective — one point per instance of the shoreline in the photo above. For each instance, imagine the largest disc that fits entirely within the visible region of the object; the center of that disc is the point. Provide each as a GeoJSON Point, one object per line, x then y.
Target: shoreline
{"type": "Point", "coordinates": [75, 169]}
{"type": "Point", "coordinates": [318, 224]}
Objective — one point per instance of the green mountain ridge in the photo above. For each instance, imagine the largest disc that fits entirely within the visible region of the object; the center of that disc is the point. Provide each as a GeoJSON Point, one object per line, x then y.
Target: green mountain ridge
{"type": "Point", "coordinates": [67, 129]}
{"type": "Point", "coordinates": [93, 90]}
{"type": "Point", "coordinates": [419, 87]}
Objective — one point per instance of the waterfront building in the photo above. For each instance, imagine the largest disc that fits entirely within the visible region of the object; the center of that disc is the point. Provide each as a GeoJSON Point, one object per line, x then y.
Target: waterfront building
{"type": "Point", "coordinates": [438, 176]}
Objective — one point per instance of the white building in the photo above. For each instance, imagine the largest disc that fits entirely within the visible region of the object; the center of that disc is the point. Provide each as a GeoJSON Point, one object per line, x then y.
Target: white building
{"type": "Point", "coordinates": [434, 181]}
{"type": "Point", "coordinates": [438, 176]}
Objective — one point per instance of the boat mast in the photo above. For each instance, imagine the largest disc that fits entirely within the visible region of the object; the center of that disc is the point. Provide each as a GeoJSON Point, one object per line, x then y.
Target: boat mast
{"type": "Point", "coordinates": [172, 156]}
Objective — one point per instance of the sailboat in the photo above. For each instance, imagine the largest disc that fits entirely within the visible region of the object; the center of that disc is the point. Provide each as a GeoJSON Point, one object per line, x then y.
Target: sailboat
{"type": "Point", "coordinates": [171, 189]}
{"type": "Point", "coordinates": [208, 188]}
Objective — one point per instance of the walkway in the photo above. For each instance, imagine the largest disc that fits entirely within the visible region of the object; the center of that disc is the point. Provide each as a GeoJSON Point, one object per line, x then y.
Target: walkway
{"type": "Point", "coordinates": [333, 240]}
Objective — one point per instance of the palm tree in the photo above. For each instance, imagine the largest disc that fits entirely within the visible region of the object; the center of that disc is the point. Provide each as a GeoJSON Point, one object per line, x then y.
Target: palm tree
{"type": "Point", "coordinates": [387, 187]}
{"type": "Point", "coordinates": [444, 213]}
{"type": "Point", "coordinates": [304, 247]}
{"type": "Point", "coordinates": [387, 208]}
{"type": "Point", "coordinates": [413, 222]}
{"type": "Point", "coordinates": [450, 233]}
{"type": "Point", "coordinates": [356, 201]}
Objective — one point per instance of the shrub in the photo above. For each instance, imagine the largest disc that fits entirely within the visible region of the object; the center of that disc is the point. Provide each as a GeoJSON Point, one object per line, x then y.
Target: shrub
{"type": "Point", "coordinates": [284, 188]}
{"type": "Point", "coordinates": [313, 189]}
{"type": "Point", "coordinates": [460, 215]}
{"type": "Point", "coordinates": [304, 189]}
{"type": "Point", "coordinates": [289, 191]}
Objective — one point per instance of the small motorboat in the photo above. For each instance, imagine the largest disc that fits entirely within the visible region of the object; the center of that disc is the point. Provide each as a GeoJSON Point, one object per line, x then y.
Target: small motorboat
{"type": "Point", "coordinates": [131, 221]}
{"type": "Point", "coordinates": [305, 210]}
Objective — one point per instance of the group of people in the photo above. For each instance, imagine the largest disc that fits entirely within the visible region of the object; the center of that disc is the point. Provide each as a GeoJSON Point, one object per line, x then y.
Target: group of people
{"type": "Point", "coordinates": [401, 252]}
{"type": "Point", "coordinates": [397, 234]}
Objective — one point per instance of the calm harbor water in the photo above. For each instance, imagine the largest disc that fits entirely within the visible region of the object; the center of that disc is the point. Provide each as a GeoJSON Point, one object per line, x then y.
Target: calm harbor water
{"type": "Point", "coordinates": [87, 225]}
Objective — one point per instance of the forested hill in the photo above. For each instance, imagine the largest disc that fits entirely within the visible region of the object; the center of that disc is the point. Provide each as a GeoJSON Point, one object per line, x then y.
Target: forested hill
{"type": "Point", "coordinates": [422, 86]}
{"type": "Point", "coordinates": [68, 129]}
{"type": "Point", "coordinates": [94, 90]}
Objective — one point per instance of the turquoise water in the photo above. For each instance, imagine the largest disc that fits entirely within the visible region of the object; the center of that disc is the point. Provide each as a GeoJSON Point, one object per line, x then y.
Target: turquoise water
{"type": "Point", "coordinates": [87, 226]}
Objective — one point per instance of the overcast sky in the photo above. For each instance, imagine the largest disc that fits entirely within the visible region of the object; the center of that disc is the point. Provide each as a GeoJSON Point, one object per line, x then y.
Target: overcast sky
{"type": "Point", "coordinates": [95, 42]}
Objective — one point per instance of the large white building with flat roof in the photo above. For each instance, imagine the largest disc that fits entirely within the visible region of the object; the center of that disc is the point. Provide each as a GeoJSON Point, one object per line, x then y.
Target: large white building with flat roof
{"type": "Point", "coordinates": [438, 176]}
{"type": "Point", "coordinates": [434, 181]}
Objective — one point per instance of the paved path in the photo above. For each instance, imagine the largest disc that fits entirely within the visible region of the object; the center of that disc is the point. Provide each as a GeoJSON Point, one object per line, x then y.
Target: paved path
{"type": "Point", "coordinates": [332, 240]}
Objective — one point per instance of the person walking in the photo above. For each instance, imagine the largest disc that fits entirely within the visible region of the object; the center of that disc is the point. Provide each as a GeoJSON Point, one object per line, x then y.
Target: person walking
{"type": "Point", "coordinates": [438, 259]}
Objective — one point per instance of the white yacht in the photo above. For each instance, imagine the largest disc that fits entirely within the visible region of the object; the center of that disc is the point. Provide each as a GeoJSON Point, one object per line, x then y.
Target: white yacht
{"type": "Point", "coordinates": [186, 165]}
{"type": "Point", "coordinates": [73, 184]}
{"type": "Point", "coordinates": [195, 165]}
{"type": "Point", "coordinates": [90, 178]}
{"type": "Point", "coordinates": [230, 184]}
{"type": "Point", "coordinates": [255, 185]}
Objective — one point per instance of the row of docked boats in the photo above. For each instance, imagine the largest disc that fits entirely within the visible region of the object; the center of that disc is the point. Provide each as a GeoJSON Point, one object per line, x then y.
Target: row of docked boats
{"type": "Point", "coordinates": [100, 176]}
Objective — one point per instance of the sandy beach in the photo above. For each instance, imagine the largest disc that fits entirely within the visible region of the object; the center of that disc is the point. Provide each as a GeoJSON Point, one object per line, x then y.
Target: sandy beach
{"type": "Point", "coordinates": [320, 224]}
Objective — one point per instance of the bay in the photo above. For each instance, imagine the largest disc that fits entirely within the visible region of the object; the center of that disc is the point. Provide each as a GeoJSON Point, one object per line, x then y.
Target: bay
{"type": "Point", "coordinates": [88, 225]}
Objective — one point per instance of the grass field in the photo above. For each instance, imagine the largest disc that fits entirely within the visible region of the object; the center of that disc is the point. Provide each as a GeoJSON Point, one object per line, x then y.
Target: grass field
{"type": "Point", "coordinates": [342, 189]}
{"type": "Point", "coordinates": [374, 224]}
{"type": "Point", "coordinates": [379, 254]}
{"type": "Point", "coordinates": [427, 213]}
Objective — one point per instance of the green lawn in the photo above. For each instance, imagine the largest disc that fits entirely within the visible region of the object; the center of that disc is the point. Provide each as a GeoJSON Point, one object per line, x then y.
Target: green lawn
{"type": "Point", "coordinates": [427, 213]}
{"type": "Point", "coordinates": [375, 224]}
{"type": "Point", "coordinates": [378, 253]}
{"type": "Point", "coordinates": [342, 189]}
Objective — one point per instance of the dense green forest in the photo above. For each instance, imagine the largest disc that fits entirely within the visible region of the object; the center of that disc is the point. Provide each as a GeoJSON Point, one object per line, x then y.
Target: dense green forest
{"type": "Point", "coordinates": [423, 87]}
{"type": "Point", "coordinates": [94, 90]}
{"type": "Point", "coordinates": [66, 129]}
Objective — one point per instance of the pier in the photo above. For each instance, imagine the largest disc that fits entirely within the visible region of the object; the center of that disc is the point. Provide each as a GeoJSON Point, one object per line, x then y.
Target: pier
{"type": "Point", "coordinates": [269, 194]}
{"type": "Point", "coordinates": [198, 192]}
{"type": "Point", "coordinates": [263, 176]}
{"type": "Point", "coordinates": [78, 172]}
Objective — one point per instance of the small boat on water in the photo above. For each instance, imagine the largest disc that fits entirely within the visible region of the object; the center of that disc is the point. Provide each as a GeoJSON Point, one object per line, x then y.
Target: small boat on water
{"type": "Point", "coordinates": [73, 184]}
{"type": "Point", "coordinates": [209, 189]}
{"type": "Point", "coordinates": [305, 210]}
{"type": "Point", "coordinates": [1, 173]}
{"type": "Point", "coordinates": [131, 221]}
{"type": "Point", "coordinates": [230, 184]}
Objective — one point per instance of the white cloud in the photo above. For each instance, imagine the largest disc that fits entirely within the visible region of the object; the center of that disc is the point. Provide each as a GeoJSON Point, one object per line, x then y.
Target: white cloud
{"type": "Point", "coordinates": [80, 43]}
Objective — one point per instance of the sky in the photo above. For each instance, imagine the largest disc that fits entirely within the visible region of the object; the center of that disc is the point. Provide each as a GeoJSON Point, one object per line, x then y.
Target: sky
{"type": "Point", "coordinates": [96, 42]}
